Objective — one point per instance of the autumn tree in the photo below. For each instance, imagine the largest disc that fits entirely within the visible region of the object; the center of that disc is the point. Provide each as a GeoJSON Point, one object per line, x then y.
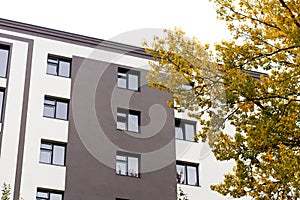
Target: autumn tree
{"type": "Point", "coordinates": [181, 195]}
{"type": "Point", "coordinates": [264, 110]}
{"type": "Point", "coordinates": [5, 192]}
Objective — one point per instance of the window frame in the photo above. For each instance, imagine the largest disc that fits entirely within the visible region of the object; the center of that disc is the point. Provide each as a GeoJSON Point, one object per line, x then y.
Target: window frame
{"type": "Point", "coordinates": [55, 99]}
{"type": "Point", "coordinates": [127, 113]}
{"type": "Point", "coordinates": [128, 155]}
{"type": "Point", "coordinates": [2, 90]}
{"type": "Point", "coordinates": [52, 143]}
{"type": "Point", "coordinates": [182, 123]}
{"type": "Point", "coordinates": [7, 47]}
{"type": "Point", "coordinates": [126, 72]}
{"type": "Point", "coordinates": [186, 165]}
{"type": "Point", "coordinates": [59, 59]}
{"type": "Point", "coordinates": [49, 192]}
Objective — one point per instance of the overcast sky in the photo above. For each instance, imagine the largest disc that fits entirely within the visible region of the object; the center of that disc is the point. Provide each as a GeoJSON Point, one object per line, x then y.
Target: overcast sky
{"type": "Point", "coordinates": [118, 20]}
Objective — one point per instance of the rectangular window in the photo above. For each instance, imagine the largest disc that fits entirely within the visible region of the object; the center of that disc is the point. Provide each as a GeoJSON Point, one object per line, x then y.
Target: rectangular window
{"type": "Point", "coordinates": [127, 164]}
{"type": "Point", "coordinates": [4, 56]}
{"type": "Point", "coordinates": [1, 103]}
{"type": "Point", "coordinates": [128, 79]}
{"type": "Point", "coordinates": [59, 66]}
{"type": "Point", "coordinates": [128, 120]}
{"type": "Point", "coordinates": [53, 154]}
{"type": "Point", "coordinates": [42, 194]}
{"type": "Point", "coordinates": [187, 173]}
{"type": "Point", "coordinates": [55, 108]}
{"type": "Point", "coordinates": [185, 130]}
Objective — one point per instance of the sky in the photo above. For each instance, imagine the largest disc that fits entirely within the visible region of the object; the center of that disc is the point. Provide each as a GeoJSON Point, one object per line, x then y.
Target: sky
{"type": "Point", "coordinates": [130, 21]}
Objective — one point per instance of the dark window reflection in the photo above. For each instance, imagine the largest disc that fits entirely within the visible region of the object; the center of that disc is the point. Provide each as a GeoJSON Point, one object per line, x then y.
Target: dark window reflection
{"type": "Point", "coordinates": [1, 104]}
{"type": "Point", "coordinates": [52, 153]}
{"type": "Point", "coordinates": [185, 130]}
{"type": "Point", "coordinates": [4, 55]}
{"type": "Point", "coordinates": [128, 120]}
{"type": "Point", "coordinates": [187, 173]}
{"type": "Point", "coordinates": [128, 79]}
{"type": "Point", "coordinates": [58, 66]}
{"type": "Point", "coordinates": [127, 164]}
{"type": "Point", "coordinates": [55, 108]}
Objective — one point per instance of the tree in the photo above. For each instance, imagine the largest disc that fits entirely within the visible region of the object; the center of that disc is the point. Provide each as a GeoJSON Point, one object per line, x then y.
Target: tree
{"type": "Point", "coordinates": [5, 192]}
{"type": "Point", "coordinates": [264, 111]}
{"type": "Point", "coordinates": [181, 195]}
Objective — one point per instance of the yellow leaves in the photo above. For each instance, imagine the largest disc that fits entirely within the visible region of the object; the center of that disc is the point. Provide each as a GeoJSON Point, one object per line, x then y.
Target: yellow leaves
{"type": "Point", "coordinates": [267, 23]}
{"type": "Point", "coordinates": [269, 156]}
{"type": "Point", "coordinates": [206, 46]}
{"type": "Point", "coordinates": [263, 109]}
{"type": "Point", "coordinates": [266, 35]}
{"type": "Point", "coordinates": [179, 30]}
{"type": "Point", "coordinates": [170, 103]}
{"type": "Point", "coordinates": [246, 107]}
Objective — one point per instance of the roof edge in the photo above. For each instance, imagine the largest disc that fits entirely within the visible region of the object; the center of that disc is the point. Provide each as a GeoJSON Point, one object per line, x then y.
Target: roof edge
{"type": "Point", "coordinates": [73, 38]}
{"type": "Point", "coordinates": [83, 40]}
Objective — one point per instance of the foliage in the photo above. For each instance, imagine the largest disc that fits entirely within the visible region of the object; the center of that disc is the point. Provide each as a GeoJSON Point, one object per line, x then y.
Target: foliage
{"type": "Point", "coordinates": [5, 192]}
{"type": "Point", "coordinates": [264, 111]}
{"type": "Point", "coordinates": [181, 195]}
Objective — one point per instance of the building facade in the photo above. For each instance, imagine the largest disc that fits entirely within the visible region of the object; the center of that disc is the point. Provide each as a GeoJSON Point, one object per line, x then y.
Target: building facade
{"type": "Point", "coordinates": [78, 121]}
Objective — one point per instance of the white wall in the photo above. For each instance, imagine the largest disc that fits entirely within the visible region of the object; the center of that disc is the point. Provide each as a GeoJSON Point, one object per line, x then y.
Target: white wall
{"type": "Point", "coordinates": [35, 174]}
{"type": "Point", "coordinates": [210, 170]}
{"type": "Point", "coordinates": [13, 109]}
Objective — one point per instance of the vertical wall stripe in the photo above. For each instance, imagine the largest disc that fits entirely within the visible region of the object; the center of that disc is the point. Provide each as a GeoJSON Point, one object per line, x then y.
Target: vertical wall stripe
{"type": "Point", "coordinates": [23, 121]}
{"type": "Point", "coordinates": [20, 155]}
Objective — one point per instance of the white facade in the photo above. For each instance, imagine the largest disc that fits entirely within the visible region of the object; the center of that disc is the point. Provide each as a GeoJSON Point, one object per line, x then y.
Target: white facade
{"type": "Point", "coordinates": [12, 118]}
{"type": "Point", "coordinates": [38, 175]}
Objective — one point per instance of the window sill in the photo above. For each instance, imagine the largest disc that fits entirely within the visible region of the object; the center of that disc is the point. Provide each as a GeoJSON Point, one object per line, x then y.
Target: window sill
{"type": "Point", "coordinates": [186, 140]}
{"type": "Point", "coordinates": [56, 118]}
{"type": "Point", "coordinates": [43, 163]}
{"type": "Point", "coordinates": [139, 176]}
{"type": "Point", "coordinates": [59, 76]}
{"type": "Point", "coordinates": [128, 131]}
{"type": "Point", "coordinates": [197, 186]}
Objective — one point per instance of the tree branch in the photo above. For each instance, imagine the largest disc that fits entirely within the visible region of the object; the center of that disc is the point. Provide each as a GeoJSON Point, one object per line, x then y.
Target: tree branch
{"type": "Point", "coordinates": [290, 11]}
{"type": "Point", "coordinates": [254, 19]}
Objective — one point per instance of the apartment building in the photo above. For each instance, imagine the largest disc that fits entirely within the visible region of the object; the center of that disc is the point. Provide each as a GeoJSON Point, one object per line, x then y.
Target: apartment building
{"type": "Point", "coordinates": [78, 121]}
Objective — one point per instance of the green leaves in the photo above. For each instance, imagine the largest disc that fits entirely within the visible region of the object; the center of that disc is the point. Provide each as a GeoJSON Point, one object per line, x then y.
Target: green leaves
{"type": "Point", "coordinates": [6, 191]}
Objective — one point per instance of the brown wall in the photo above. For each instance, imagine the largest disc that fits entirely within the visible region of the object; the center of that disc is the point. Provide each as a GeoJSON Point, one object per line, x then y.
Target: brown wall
{"type": "Point", "coordinates": [93, 138]}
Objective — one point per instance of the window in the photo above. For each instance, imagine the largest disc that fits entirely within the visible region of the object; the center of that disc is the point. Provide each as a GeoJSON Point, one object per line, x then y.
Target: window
{"type": "Point", "coordinates": [185, 130]}
{"type": "Point", "coordinates": [59, 66]}
{"type": "Point", "coordinates": [53, 154]}
{"type": "Point", "coordinates": [4, 55]}
{"type": "Point", "coordinates": [128, 79]}
{"type": "Point", "coordinates": [57, 109]}
{"type": "Point", "coordinates": [1, 103]}
{"type": "Point", "coordinates": [187, 173]}
{"type": "Point", "coordinates": [128, 120]}
{"type": "Point", "coordinates": [127, 164]}
{"type": "Point", "coordinates": [48, 195]}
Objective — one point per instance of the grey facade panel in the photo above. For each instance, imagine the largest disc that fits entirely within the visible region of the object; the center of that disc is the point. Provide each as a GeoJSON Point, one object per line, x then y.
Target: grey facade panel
{"type": "Point", "coordinates": [93, 137]}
